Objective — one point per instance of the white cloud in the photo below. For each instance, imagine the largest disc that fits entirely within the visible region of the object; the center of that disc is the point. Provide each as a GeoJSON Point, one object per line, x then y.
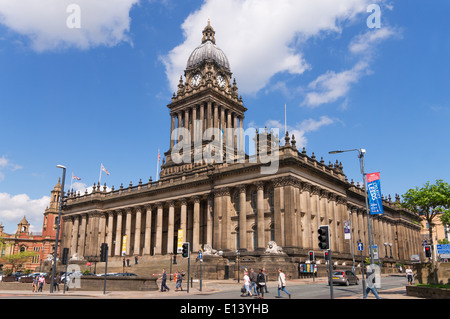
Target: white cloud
{"type": "Point", "coordinates": [6, 164]}
{"type": "Point", "coordinates": [331, 86]}
{"type": "Point", "coordinates": [299, 130]}
{"type": "Point", "coordinates": [13, 208]}
{"type": "Point", "coordinates": [44, 22]}
{"type": "Point", "coordinates": [261, 38]}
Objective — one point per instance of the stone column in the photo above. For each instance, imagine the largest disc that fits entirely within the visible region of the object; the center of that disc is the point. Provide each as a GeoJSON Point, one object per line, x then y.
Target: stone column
{"type": "Point", "coordinates": [118, 247]}
{"type": "Point", "coordinates": [110, 231]}
{"type": "Point", "coordinates": [209, 221]}
{"type": "Point", "coordinates": [137, 232]}
{"type": "Point", "coordinates": [242, 217]}
{"type": "Point", "coordinates": [217, 239]}
{"type": "Point", "coordinates": [315, 214]}
{"type": "Point", "coordinates": [159, 224]}
{"type": "Point", "coordinates": [278, 210]}
{"type": "Point", "coordinates": [128, 230]}
{"type": "Point", "coordinates": [82, 241]}
{"type": "Point", "coordinates": [209, 114]}
{"type": "Point", "coordinates": [241, 139]}
{"type": "Point", "coordinates": [194, 133]}
{"type": "Point", "coordinates": [148, 230]}
{"type": "Point", "coordinates": [289, 214]}
{"type": "Point", "coordinates": [202, 118]}
{"type": "Point", "coordinates": [180, 125]}
{"type": "Point", "coordinates": [170, 226]}
{"type": "Point", "coordinates": [305, 209]}
{"type": "Point", "coordinates": [172, 128]}
{"type": "Point", "coordinates": [226, 219]}
{"type": "Point", "coordinates": [196, 228]}
{"type": "Point", "coordinates": [102, 230]}
{"type": "Point", "coordinates": [260, 214]}
{"type": "Point", "coordinates": [76, 225]}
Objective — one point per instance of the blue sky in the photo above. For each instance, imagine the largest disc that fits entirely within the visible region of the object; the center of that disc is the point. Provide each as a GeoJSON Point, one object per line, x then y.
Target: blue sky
{"type": "Point", "coordinates": [98, 94]}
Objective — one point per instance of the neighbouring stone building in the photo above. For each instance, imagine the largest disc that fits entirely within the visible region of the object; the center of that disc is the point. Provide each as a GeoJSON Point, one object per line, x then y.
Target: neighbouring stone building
{"type": "Point", "coordinates": [230, 205]}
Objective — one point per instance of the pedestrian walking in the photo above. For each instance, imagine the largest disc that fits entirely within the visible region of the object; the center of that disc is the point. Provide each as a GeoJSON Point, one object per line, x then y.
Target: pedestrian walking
{"type": "Point", "coordinates": [35, 284]}
{"type": "Point", "coordinates": [410, 276]}
{"type": "Point", "coordinates": [135, 260]}
{"type": "Point", "coordinates": [253, 276]}
{"type": "Point", "coordinates": [179, 281]}
{"type": "Point", "coordinates": [41, 283]}
{"type": "Point", "coordinates": [261, 284]}
{"type": "Point", "coordinates": [370, 283]}
{"type": "Point", "coordinates": [56, 282]}
{"type": "Point", "coordinates": [266, 279]}
{"type": "Point", "coordinates": [128, 262]}
{"type": "Point", "coordinates": [282, 283]}
{"type": "Point", "coordinates": [163, 281]}
{"type": "Point", "coordinates": [247, 284]}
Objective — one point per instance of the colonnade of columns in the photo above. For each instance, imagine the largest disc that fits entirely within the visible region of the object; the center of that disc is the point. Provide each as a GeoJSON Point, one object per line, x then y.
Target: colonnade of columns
{"type": "Point", "coordinates": [245, 217]}
{"type": "Point", "coordinates": [200, 117]}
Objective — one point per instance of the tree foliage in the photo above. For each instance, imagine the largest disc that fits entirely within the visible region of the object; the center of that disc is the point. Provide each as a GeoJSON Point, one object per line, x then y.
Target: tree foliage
{"type": "Point", "coordinates": [429, 201]}
{"type": "Point", "coordinates": [17, 259]}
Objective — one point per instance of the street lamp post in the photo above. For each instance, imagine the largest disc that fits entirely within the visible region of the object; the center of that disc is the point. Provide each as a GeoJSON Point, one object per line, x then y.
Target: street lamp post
{"type": "Point", "coordinates": [361, 153]}
{"type": "Point", "coordinates": [58, 225]}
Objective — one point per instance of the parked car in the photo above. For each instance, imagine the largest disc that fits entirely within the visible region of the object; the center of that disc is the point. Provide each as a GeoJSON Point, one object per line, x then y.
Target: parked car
{"type": "Point", "coordinates": [125, 274]}
{"type": "Point", "coordinates": [344, 277]}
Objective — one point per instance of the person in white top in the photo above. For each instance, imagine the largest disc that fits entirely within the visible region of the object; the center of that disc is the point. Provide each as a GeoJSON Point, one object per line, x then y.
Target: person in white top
{"type": "Point", "coordinates": [409, 275]}
{"type": "Point", "coordinates": [247, 284]}
{"type": "Point", "coordinates": [282, 283]}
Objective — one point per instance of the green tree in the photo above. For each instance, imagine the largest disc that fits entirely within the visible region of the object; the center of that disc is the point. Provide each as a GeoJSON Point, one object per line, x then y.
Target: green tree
{"type": "Point", "coordinates": [16, 259]}
{"type": "Point", "coordinates": [429, 201]}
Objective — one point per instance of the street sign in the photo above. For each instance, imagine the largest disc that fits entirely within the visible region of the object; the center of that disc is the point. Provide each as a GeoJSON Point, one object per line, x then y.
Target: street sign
{"type": "Point", "coordinates": [443, 249]}
{"type": "Point", "coordinates": [200, 255]}
{"type": "Point", "coordinates": [360, 247]}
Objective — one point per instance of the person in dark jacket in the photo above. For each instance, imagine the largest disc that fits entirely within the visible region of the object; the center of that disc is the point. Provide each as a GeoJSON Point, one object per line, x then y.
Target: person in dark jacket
{"type": "Point", "coordinates": [163, 281]}
{"type": "Point", "coordinates": [261, 284]}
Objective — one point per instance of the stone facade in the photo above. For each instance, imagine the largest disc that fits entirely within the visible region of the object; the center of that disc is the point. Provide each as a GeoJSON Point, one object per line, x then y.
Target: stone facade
{"type": "Point", "coordinates": [230, 204]}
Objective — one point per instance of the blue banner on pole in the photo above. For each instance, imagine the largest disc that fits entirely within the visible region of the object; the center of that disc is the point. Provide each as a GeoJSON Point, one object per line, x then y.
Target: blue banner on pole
{"type": "Point", "coordinates": [374, 192]}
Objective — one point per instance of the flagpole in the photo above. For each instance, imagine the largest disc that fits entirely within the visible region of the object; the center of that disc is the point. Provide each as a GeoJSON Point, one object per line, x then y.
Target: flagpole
{"type": "Point", "coordinates": [100, 178]}
{"type": "Point", "coordinates": [157, 168]}
{"type": "Point", "coordinates": [71, 180]}
{"type": "Point", "coordinates": [285, 119]}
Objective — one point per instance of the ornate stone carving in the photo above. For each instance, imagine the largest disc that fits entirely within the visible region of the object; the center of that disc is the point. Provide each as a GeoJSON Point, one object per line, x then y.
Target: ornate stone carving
{"type": "Point", "coordinates": [273, 248]}
{"type": "Point", "coordinates": [208, 250]}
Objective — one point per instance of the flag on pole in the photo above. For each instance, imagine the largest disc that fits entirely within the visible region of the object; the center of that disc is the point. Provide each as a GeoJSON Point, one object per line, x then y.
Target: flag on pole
{"type": "Point", "coordinates": [158, 164]}
{"type": "Point", "coordinates": [104, 169]}
{"type": "Point", "coordinates": [74, 177]}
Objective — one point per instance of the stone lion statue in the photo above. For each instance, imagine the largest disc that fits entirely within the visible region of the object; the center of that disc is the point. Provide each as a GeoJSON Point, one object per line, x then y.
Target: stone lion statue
{"type": "Point", "coordinates": [208, 250]}
{"type": "Point", "coordinates": [273, 248]}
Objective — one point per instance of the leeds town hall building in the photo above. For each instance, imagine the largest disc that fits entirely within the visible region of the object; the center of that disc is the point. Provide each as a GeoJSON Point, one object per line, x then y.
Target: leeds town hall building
{"type": "Point", "coordinates": [225, 201]}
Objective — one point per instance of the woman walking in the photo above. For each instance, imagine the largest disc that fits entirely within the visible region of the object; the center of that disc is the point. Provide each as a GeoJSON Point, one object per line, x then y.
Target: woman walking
{"type": "Point", "coordinates": [282, 283]}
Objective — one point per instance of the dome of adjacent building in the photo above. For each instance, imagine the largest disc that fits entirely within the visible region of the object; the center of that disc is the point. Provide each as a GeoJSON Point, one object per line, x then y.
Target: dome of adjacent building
{"type": "Point", "coordinates": [208, 51]}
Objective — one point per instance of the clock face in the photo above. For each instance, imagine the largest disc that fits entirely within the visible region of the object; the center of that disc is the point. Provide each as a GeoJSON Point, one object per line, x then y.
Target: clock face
{"type": "Point", "coordinates": [221, 81]}
{"type": "Point", "coordinates": [196, 79]}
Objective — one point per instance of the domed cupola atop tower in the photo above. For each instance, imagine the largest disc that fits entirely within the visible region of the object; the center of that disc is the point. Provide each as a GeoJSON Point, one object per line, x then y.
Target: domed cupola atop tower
{"type": "Point", "coordinates": [208, 51]}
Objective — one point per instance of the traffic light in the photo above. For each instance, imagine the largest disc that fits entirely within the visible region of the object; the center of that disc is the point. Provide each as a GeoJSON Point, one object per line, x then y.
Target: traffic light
{"type": "Point", "coordinates": [65, 256]}
{"type": "Point", "coordinates": [103, 252]}
{"type": "Point", "coordinates": [311, 256]}
{"type": "Point", "coordinates": [324, 237]}
{"type": "Point", "coordinates": [185, 251]}
{"type": "Point", "coordinates": [326, 255]}
{"type": "Point", "coordinates": [427, 251]}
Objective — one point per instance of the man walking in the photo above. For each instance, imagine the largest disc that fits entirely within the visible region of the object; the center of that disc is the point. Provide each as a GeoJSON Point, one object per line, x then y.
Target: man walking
{"type": "Point", "coordinates": [163, 281]}
{"type": "Point", "coordinates": [253, 279]}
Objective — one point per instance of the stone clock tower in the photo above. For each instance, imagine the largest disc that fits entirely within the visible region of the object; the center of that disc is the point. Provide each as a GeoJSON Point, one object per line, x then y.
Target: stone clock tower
{"type": "Point", "coordinates": [206, 105]}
